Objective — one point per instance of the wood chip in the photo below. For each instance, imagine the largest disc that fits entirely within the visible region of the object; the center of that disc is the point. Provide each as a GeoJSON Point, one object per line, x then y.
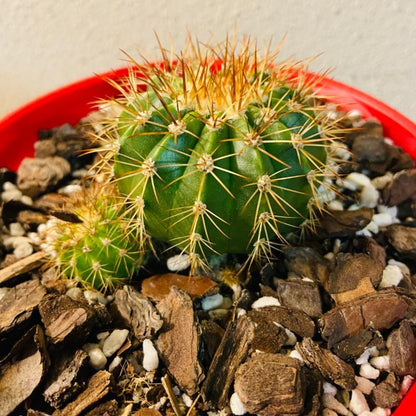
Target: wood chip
{"type": "Point", "coordinates": [66, 319]}
{"type": "Point", "coordinates": [386, 393]}
{"type": "Point", "coordinates": [402, 350]}
{"type": "Point", "coordinates": [329, 365]}
{"type": "Point", "coordinates": [109, 408]}
{"type": "Point", "coordinates": [178, 340]}
{"type": "Point", "coordinates": [133, 310]}
{"type": "Point", "coordinates": [157, 287]}
{"type": "Point", "coordinates": [270, 384]}
{"type": "Point", "coordinates": [401, 188]}
{"type": "Point", "coordinates": [64, 381]}
{"type": "Point", "coordinates": [403, 239]}
{"type": "Point", "coordinates": [98, 387]}
{"type": "Point", "coordinates": [22, 266]}
{"type": "Point", "coordinates": [233, 351]}
{"type": "Point", "coordinates": [19, 377]}
{"type": "Point", "coordinates": [380, 310]}
{"type": "Point", "coordinates": [18, 305]}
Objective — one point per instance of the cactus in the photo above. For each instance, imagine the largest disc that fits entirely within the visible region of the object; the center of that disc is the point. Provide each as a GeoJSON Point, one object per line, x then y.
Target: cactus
{"type": "Point", "coordinates": [98, 247]}
{"type": "Point", "coordinates": [222, 151]}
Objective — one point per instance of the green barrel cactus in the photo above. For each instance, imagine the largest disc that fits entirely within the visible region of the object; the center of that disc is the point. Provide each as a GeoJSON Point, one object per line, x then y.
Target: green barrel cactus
{"type": "Point", "coordinates": [99, 247]}
{"type": "Point", "coordinates": [222, 151]}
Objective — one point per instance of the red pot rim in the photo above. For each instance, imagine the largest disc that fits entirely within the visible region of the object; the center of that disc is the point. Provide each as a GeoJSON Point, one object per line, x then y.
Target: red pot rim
{"type": "Point", "coordinates": [68, 104]}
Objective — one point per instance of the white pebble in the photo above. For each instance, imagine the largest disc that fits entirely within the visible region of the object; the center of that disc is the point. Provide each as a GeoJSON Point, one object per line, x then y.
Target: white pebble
{"type": "Point", "coordinates": [364, 385]}
{"type": "Point", "coordinates": [368, 371]}
{"type": "Point", "coordinates": [265, 301]}
{"type": "Point", "coordinates": [406, 384]}
{"type": "Point", "coordinates": [336, 205]}
{"type": "Point", "coordinates": [101, 336]}
{"type": "Point", "coordinates": [355, 181]}
{"type": "Point", "coordinates": [366, 413]}
{"type": "Point", "coordinates": [380, 411]}
{"type": "Point", "coordinates": [34, 238]}
{"type": "Point", "coordinates": [329, 388]}
{"type": "Point", "coordinates": [114, 341]}
{"type": "Point", "coordinates": [23, 250]}
{"type": "Point", "coordinates": [392, 276]}
{"type": "Point", "coordinates": [382, 362]}
{"type": "Point", "coordinates": [150, 356]}
{"type": "Point", "coordinates": [372, 227]}
{"type": "Point", "coordinates": [211, 302]}
{"type": "Point", "coordinates": [236, 405]}
{"type": "Point", "coordinates": [295, 354]}
{"type": "Point", "coordinates": [16, 229]}
{"type": "Point", "coordinates": [70, 189]}
{"type": "Point", "coordinates": [9, 186]}
{"type": "Point", "coordinates": [403, 267]}
{"type": "Point", "coordinates": [382, 209]}
{"type": "Point", "coordinates": [382, 181]}
{"type": "Point", "coordinates": [363, 358]}
{"type": "Point", "coordinates": [178, 262]}
{"type": "Point", "coordinates": [95, 297]}
{"type": "Point", "coordinates": [291, 337]}
{"type": "Point", "coordinates": [187, 401]}
{"type": "Point", "coordinates": [74, 293]}
{"type": "Point", "coordinates": [341, 151]}
{"type": "Point", "coordinates": [12, 195]}
{"type": "Point", "coordinates": [97, 358]}
{"type": "Point", "coordinates": [383, 219]}
{"type": "Point", "coordinates": [329, 401]}
{"type": "Point", "coordinates": [241, 312]}
{"type": "Point", "coordinates": [27, 200]}
{"type": "Point", "coordinates": [115, 363]}
{"type": "Point", "coordinates": [369, 196]}
{"type": "Point", "coordinates": [358, 403]}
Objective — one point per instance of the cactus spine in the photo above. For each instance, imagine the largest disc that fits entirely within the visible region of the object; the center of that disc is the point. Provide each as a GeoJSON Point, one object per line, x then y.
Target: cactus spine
{"type": "Point", "coordinates": [222, 151]}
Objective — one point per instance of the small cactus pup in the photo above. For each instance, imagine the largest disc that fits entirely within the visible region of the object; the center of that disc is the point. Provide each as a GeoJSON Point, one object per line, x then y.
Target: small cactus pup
{"type": "Point", "coordinates": [221, 149]}
{"type": "Point", "coordinates": [97, 246]}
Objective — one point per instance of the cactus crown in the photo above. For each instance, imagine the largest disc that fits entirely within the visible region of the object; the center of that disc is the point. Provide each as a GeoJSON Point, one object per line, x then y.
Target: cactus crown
{"type": "Point", "coordinates": [100, 248]}
{"type": "Point", "coordinates": [221, 150]}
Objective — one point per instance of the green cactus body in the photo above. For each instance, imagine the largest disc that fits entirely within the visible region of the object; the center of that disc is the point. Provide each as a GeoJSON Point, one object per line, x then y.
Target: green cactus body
{"type": "Point", "coordinates": [100, 250]}
{"type": "Point", "coordinates": [223, 160]}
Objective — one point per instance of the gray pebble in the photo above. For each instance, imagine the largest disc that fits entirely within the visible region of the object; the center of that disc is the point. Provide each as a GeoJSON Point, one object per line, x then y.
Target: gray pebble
{"type": "Point", "coordinates": [97, 358]}
{"type": "Point", "coordinates": [114, 341]}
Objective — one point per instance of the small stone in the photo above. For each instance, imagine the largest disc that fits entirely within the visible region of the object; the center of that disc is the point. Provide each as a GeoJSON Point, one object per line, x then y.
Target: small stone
{"type": "Point", "coordinates": [178, 262]}
{"type": "Point", "coordinates": [101, 336]}
{"type": "Point", "coordinates": [115, 341]}
{"type": "Point", "coordinates": [115, 363]}
{"type": "Point", "coordinates": [355, 181]}
{"type": "Point", "coordinates": [150, 356]}
{"type": "Point", "coordinates": [379, 411]}
{"type": "Point", "coordinates": [16, 229]}
{"type": "Point", "coordinates": [23, 250]}
{"type": "Point", "coordinates": [382, 362]}
{"type": "Point", "coordinates": [369, 196]}
{"type": "Point", "coordinates": [94, 297]}
{"type": "Point", "coordinates": [70, 189]}
{"type": "Point", "coordinates": [380, 182]}
{"type": "Point", "coordinates": [329, 388]}
{"type": "Point", "coordinates": [236, 405]}
{"type": "Point", "coordinates": [368, 371]}
{"type": "Point", "coordinates": [211, 302]}
{"type": "Point", "coordinates": [27, 200]}
{"type": "Point", "coordinates": [383, 219]}
{"type": "Point", "coordinates": [358, 403]}
{"type": "Point", "coordinates": [97, 358]}
{"type": "Point", "coordinates": [11, 195]}
{"type": "Point", "coordinates": [403, 239]}
{"type": "Point", "coordinates": [265, 301]}
{"type": "Point", "coordinates": [392, 276]}
{"type": "Point", "coordinates": [364, 385]}
{"type": "Point", "coordinates": [330, 402]}
{"type": "Point", "coordinates": [74, 293]}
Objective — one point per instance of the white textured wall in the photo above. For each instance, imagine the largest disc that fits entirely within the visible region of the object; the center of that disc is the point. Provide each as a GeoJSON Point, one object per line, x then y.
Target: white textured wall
{"type": "Point", "coordinates": [371, 44]}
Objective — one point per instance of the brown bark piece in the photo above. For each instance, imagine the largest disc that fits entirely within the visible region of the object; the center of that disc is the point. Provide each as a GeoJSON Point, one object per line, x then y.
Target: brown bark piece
{"type": "Point", "coordinates": [178, 340]}
{"type": "Point", "coordinates": [344, 223]}
{"type": "Point", "coordinates": [233, 351]}
{"type": "Point", "coordinates": [403, 239]}
{"type": "Point", "coordinates": [297, 321]}
{"type": "Point", "coordinates": [109, 408]}
{"type": "Point", "coordinates": [306, 262]}
{"type": "Point", "coordinates": [402, 351]}
{"type": "Point", "coordinates": [147, 412]}
{"type": "Point", "coordinates": [386, 393]}
{"type": "Point", "coordinates": [66, 320]}
{"type": "Point", "coordinates": [329, 365]}
{"type": "Point", "coordinates": [300, 295]}
{"type": "Point", "coordinates": [98, 387]}
{"type": "Point", "coordinates": [20, 376]}
{"type": "Point", "coordinates": [135, 311]}
{"type": "Point", "coordinates": [19, 303]}
{"type": "Point", "coordinates": [369, 148]}
{"type": "Point", "coordinates": [157, 287]}
{"type": "Point", "coordinates": [64, 381]}
{"type": "Point", "coordinates": [380, 310]}
{"type": "Point", "coordinates": [352, 347]}
{"type": "Point", "coordinates": [36, 176]}
{"type": "Point", "coordinates": [401, 188]}
{"type": "Point", "coordinates": [212, 335]}
{"type": "Point", "coordinates": [270, 384]}
{"type": "Point", "coordinates": [22, 266]}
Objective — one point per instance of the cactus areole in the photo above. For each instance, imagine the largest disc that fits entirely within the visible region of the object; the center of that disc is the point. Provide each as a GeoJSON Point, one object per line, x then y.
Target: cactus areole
{"type": "Point", "coordinates": [223, 151]}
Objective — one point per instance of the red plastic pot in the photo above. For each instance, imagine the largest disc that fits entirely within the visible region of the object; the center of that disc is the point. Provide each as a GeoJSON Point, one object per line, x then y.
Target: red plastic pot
{"type": "Point", "coordinates": [18, 131]}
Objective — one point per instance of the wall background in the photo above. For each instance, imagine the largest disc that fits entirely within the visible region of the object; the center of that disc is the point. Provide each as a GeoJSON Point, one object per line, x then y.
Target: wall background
{"type": "Point", "coordinates": [44, 44]}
